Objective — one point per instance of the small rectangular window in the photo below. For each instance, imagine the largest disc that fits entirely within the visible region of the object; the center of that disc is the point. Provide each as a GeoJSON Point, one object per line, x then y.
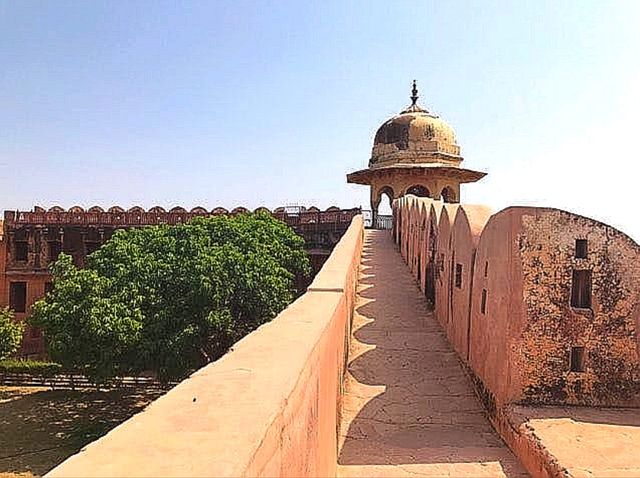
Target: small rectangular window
{"type": "Point", "coordinates": [22, 251]}
{"type": "Point", "coordinates": [581, 248]}
{"type": "Point", "coordinates": [55, 248]}
{"type": "Point", "coordinates": [577, 359]}
{"type": "Point", "coordinates": [581, 289]}
{"type": "Point", "coordinates": [459, 276]}
{"type": "Point", "coordinates": [18, 296]}
{"type": "Point", "coordinates": [486, 268]}
{"type": "Point", "coordinates": [483, 302]}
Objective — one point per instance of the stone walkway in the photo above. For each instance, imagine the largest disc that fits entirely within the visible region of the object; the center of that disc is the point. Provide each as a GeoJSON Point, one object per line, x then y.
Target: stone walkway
{"type": "Point", "coordinates": [408, 408]}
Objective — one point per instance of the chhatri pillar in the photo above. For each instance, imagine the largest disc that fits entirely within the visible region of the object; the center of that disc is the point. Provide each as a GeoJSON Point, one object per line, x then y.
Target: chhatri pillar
{"type": "Point", "coordinates": [415, 152]}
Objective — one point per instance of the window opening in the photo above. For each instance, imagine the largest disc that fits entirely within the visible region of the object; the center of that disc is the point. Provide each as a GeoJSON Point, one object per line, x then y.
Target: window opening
{"type": "Point", "coordinates": [483, 302]}
{"type": "Point", "coordinates": [581, 289]}
{"type": "Point", "coordinates": [22, 251]}
{"type": "Point", "coordinates": [581, 248]}
{"type": "Point", "coordinates": [18, 296]}
{"type": "Point", "coordinates": [577, 359]}
{"type": "Point", "coordinates": [459, 276]}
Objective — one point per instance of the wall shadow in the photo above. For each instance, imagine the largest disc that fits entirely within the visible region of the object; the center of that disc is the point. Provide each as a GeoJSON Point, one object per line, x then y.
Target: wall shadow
{"type": "Point", "coordinates": [42, 427]}
{"type": "Point", "coordinates": [407, 398]}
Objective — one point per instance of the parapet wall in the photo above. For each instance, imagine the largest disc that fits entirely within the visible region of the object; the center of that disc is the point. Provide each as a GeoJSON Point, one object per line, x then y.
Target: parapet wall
{"type": "Point", "coordinates": [542, 304]}
{"type": "Point", "coordinates": [267, 408]}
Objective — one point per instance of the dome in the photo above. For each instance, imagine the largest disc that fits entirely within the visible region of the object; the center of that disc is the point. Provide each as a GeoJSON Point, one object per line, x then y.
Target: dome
{"type": "Point", "coordinates": [415, 136]}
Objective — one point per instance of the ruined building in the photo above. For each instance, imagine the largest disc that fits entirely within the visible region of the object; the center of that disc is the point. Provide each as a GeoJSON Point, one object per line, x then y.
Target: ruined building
{"type": "Point", "coordinates": [31, 241]}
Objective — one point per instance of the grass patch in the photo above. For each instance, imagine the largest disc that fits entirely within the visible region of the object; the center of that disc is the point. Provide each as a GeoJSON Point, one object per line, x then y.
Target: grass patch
{"type": "Point", "coordinates": [34, 367]}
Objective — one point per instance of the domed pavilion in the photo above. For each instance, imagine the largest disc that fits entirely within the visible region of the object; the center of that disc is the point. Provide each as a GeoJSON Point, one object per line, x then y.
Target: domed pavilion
{"type": "Point", "coordinates": [415, 152]}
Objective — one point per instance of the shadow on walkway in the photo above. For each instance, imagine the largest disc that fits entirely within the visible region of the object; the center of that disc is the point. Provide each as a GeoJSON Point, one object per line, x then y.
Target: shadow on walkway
{"type": "Point", "coordinates": [408, 408]}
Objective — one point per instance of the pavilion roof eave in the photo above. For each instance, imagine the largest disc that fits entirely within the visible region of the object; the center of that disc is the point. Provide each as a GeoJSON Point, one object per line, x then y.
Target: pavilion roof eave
{"type": "Point", "coordinates": [364, 176]}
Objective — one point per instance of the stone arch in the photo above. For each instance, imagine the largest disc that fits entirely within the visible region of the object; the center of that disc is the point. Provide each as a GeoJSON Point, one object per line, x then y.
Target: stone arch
{"type": "Point", "coordinates": [419, 190]}
{"type": "Point", "coordinates": [448, 194]}
{"type": "Point", "coordinates": [376, 199]}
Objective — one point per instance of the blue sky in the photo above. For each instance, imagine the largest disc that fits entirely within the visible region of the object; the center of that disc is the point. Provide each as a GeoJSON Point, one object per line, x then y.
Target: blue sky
{"type": "Point", "coordinates": [257, 103]}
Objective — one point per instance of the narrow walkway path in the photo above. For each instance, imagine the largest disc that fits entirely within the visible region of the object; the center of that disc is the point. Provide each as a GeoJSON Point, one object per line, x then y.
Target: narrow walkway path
{"type": "Point", "coordinates": [408, 408]}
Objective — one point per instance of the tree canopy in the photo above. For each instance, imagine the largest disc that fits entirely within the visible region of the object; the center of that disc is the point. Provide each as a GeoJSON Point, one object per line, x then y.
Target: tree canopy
{"type": "Point", "coordinates": [168, 299]}
{"type": "Point", "coordinates": [10, 333]}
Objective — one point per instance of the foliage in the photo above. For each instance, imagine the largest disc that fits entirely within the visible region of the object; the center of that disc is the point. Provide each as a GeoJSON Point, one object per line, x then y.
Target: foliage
{"type": "Point", "coordinates": [10, 333]}
{"type": "Point", "coordinates": [170, 298]}
{"type": "Point", "coordinates": [33, 367]}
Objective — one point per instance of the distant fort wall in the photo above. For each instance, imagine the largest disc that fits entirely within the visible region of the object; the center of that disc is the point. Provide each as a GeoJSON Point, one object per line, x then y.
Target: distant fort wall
{"type": "Point", "coordinates": [269, 407]}
{"type": "Point", "coordinates": [541, 304]}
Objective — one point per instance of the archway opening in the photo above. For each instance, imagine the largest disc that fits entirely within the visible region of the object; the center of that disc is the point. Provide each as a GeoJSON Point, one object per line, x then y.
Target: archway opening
{"type": "Point", "coordinates": [384, 214]}
{"type": "Point", "coordinates": [420, 191]}
{"type": "Point", "coordinates": [449, 195]}
{"type": "Point", "coordinates": [386, 198]}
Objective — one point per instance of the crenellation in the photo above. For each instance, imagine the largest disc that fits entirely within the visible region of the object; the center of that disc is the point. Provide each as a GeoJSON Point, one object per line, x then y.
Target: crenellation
{"type": "Point", "coordinates": [535, 323]}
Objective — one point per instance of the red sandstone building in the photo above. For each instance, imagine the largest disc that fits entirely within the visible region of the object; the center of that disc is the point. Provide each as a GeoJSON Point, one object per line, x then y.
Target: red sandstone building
{"type": "Point", "coordinates": [31, 241]}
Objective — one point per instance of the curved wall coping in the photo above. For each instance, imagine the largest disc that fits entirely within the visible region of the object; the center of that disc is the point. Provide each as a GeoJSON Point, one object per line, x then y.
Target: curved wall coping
{"type": "Point", "coordinates": [268, 407]}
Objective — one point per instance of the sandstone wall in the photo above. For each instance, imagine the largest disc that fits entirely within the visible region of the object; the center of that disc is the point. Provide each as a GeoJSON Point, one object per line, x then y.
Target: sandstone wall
{"type": "Point", "coordinates": [267, 408]}
{"type": "Point", "coordinates": [465, 235]}
{"type": "Point", "coordinates": [542, 304]}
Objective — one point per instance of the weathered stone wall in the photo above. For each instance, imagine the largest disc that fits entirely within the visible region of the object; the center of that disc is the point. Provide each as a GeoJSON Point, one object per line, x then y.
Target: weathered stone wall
{"type": "Point", "coordinates": [465, 235]}
{"type": "Point", "coordinates": [504, 296]}
{"type": "Point", "coordinates": [267, 408]}
{"type": "Point", "coordinates": [445, 264]}
{"type": "Point", "coordinates": [607, 330]}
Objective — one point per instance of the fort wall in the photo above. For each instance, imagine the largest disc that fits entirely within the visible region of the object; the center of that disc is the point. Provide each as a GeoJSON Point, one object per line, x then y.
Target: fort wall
{"type": "Point", "coordinates": [279, 387]}
{"type": "Point", "coordinates": [541, 304]}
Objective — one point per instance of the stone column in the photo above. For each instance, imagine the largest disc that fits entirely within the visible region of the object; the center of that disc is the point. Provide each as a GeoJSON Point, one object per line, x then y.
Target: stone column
{"type": "Point", "coordinates": [375, 202]}
{"type": "Point", "coordinates": [31, 244]}
{"type": "Point", "coordinates": [38, 259]}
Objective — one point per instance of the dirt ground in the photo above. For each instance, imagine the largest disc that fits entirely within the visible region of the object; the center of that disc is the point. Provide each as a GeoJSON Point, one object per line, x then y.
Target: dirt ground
{"type": "Point", "coordinates": [40, 427]}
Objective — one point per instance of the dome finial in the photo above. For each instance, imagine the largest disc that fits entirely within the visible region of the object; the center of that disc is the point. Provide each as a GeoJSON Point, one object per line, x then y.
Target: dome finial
{"type": "Point", "coordinates": [414, 94]}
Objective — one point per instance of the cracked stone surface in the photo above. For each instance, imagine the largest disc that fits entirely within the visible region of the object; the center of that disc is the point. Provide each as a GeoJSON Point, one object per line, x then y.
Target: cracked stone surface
{"type": "Point", "coordinates": [408, 408]}
{"type": "Point", "coordinates": [585, 441]}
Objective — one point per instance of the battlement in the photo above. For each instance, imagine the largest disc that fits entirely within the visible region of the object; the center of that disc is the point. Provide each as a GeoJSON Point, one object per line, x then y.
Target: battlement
{"type": "Point", "coordinates": [136, 216]}
{"type": "Point", "coordinates": [542, 304]}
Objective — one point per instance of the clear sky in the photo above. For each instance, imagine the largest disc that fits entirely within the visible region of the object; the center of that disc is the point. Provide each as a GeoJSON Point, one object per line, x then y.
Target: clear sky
{"type": "Point", "coordinates": [257, 103]}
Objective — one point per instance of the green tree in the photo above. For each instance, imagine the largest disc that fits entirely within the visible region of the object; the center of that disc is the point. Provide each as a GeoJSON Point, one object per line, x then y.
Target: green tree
{"type": "Point", "coordinates": [10, 333]}
{"type": "Point", "coordinates": [170, 298]}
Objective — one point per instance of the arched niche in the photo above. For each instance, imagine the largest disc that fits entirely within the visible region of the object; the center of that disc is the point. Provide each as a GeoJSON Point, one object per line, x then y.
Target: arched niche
{"type": "Point", "coordinates": [420, 191]}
